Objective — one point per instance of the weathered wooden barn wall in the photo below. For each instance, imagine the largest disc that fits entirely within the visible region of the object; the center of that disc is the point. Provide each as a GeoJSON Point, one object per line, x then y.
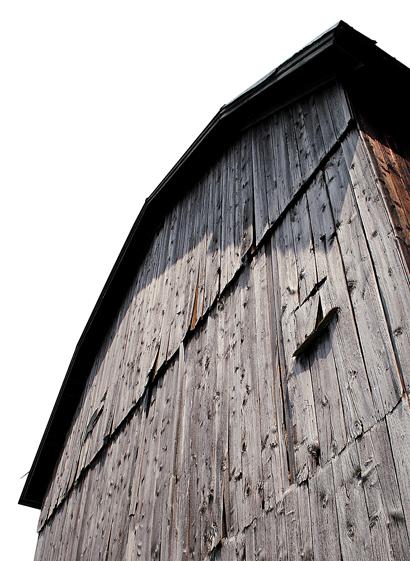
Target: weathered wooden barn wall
{"type": "Point", "coordinates": [250, 401]}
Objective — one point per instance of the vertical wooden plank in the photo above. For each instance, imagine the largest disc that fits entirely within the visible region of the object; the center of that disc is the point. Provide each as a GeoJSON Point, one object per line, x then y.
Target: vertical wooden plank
{"type": "Point", "coordinates": [304, 249]}
{"type": "Point", "coordinates": [169, 442]}
{"type": "Point", "coordinates": [281, 534]}
{"type": "Point", "coordinates": [304, 147]}
{"type": "Point", "coordinates": [225, 414]}
{"type": "Point", "coordinates": [146, 495]}
{"type": "Point", "coordinates": [228, 258]}
{"type": "Point", "coordinates": [298, 523]}
{"type": "Point", "coordinates": [160, 512]}
{"type": "Point", "coordinates": [284, 452]}
{"type": "Point", "coordinates": [291, 151]}
{"type": "Point", "coordinates": [194, 355]}
{"type": "Point", "coordinates": [312, 135]}
{"type": "Point", "coordinates": [325, 119]}
{"type": "Point", "coordinates": [263, 176]}
{"type": "Point", "coordinates": [335, 98]}
{"type": "Point", "coordinates": [209, 478]}
{"type": "Point", "coordinates": [249, 379]}
{"type": "Point", "coordinates": [352, 513]}
{"type": "Point", "coordinates": [169, 286]}
{"type": "Point", "coordinates": [291, 523]}
{"type": "Point", "coordinates": [176, 536]}
{"type": "Point", "coordinates": [213, 236]}
{"type": "Point", "coordinates": [305, 524]}
{"type": "Point", "coordinates": [222, 413]}
{"type": "Point", "coordinates": [183, 458]}
{"type": "Point", "coordinates": [183, 273]}
{"type": "Point", "coordinates": [328, 401]}
{"type": "Point", "coordinates": [117, 400]}
{"type": "Point", "coordinates": [201, 258]}
{"type": "Point", "coordinates": [263, 329]}
{"type": "Point", "coordinates": [325, 531]}
{"type": "Point", "coordinates": [151, 319]}
{"type": "Point", "coordinates": [299, 383]}
{"type": "Point", "coordinates": [236, 392]}
{"type": "Point", "coordinates": [244, 215]}
{"type": "Point", "coordinates": [398, 424]}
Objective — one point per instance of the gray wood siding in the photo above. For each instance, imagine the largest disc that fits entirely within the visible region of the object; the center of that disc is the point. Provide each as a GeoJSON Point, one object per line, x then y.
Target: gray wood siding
{"type": "Point", "coordinates": [249, 402]}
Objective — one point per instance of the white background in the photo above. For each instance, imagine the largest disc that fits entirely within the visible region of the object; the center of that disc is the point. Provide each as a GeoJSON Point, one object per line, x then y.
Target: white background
{"type": "Point", "coordinates": [98, 100]}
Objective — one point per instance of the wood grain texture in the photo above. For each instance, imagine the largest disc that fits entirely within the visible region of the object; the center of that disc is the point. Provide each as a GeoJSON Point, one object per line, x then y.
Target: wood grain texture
{"type": "Point", "coordinates": [200, 434]}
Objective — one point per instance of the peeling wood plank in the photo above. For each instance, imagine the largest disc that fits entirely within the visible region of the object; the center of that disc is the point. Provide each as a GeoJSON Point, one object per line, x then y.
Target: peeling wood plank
{"type": "Point", "coordinates": [319, 330]}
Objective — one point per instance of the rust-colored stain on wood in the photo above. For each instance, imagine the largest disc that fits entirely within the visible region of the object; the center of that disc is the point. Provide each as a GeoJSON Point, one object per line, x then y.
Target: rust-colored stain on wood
{"type": "Point", "coordinates": [394, 170]}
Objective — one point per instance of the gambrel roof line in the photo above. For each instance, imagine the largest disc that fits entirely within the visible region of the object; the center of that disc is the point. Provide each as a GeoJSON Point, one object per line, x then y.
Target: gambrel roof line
{"type": "Point", "coordinates": [337, 53]}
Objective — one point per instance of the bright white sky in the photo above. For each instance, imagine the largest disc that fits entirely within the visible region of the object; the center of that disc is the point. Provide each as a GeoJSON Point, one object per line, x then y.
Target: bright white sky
{"type": "Point", "coordinates": [98, 100]}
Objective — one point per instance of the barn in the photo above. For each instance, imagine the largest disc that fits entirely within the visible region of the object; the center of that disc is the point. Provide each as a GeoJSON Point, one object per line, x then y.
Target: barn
{"type": "Point", "coordinates": [240, 391]}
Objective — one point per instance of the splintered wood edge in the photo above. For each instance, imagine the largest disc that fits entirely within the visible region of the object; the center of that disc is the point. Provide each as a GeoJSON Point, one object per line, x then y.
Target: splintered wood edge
{"type": "Point", "coordinates": [319, 329]}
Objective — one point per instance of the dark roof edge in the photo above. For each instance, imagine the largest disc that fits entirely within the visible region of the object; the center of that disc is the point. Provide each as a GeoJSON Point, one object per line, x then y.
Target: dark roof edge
{"type": "Point", "coordinates": [355, 49]}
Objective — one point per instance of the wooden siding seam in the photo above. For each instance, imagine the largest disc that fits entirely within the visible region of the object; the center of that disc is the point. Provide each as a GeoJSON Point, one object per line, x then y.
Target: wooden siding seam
{"type": "Point", "coordinates": [153, 383]}
{"type": "Point", "coordinates": [294, 487]}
